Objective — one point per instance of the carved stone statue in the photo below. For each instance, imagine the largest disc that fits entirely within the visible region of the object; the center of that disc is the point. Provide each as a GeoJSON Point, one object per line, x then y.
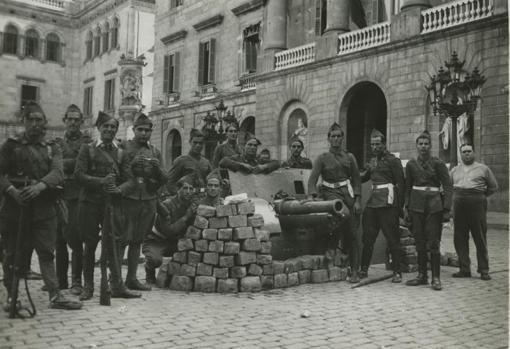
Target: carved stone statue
{"type": "Point", "coordinates": [130, 90]}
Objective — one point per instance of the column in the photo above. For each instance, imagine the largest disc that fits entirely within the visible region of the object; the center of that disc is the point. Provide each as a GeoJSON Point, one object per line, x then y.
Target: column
{"type": "Point", "coordinates": [130, 46]}
{"type": "Point", "coordinates": [338, 16]}
{"type": "Point", "coordinates": [275, 31]}
{"type": "Point", "coordinates": [407, 23]}
{"type": "Point", "coordinates": [415, 4]}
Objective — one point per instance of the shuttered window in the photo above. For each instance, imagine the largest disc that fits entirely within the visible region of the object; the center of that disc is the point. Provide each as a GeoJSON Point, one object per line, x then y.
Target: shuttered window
{"type": "Point", "coordinates": [171, 73]}
{"type": "Point", "coordinates": [206, 62]}
{"type": "Point", "coordinates": [87, 101]}
{"type": "Point", "coordinates": [320, 17]}
{"type": "Point", "coordinates": [109, 94]}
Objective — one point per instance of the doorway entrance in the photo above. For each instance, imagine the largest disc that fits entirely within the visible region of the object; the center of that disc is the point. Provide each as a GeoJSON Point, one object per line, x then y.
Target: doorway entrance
{"type": "Point", "coordinates": [173, 147]}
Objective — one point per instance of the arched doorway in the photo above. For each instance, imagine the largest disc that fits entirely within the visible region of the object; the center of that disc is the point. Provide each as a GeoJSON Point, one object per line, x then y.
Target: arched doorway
{"type": "Point", "coordinates": [297, 127]}
{"type": "Point", "coordinates": [173, 147]}
{"type": "Point", "coordinates": [363, 109]}
{"type": "Point", "coordinates": [246, 130]}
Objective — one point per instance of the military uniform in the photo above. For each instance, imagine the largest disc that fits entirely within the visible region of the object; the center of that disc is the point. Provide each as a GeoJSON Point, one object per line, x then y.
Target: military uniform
{"type": "Point", "coordinates": [224, 150]}
{"type": "Point", "coordinates": [188, 165]}
{"type": "Point", "coordinates": [298, 162]}
{"type": "Point", "coordinates": [39, 161]}
{"type": "Point", "coordinates": [69, 232]}
{"type": "Point", "coordinates": [233, 163]}
{"type": "Point", "coordinates": [383, 207]}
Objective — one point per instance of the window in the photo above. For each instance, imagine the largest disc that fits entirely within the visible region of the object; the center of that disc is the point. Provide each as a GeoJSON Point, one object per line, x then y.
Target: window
{"type": "Point", "coordinates": [171, 73]}
{"type": "Point", "coordinates": [109, 94]}
{"type": "Point", "coordinates": [32, 43]}
{"type": "Point", "coordinates": [97, 42]}
{"type": "Point", "coordinates": [175, 3]}
{"type": "Point", "coordinates": [206, 54]}
{"type": "Point", "coordinates": [115, 33]}
{"type": "Point", "coordinates": [251, 47]}
{"type": "Point", "coordinates": [320, 16]}
{"type": "Point", "coordinates": [106, 38]}
{"type": "Point", "coordinates": [10, 40]}
{"type": "Point", "coordinates": [53, 50]}
{"type": "Point", "coordinates": [28, 93]}
{"type": "Point", "coordinates": [87, 101]}
{"type": "Point", "coordinates": [88, 46]}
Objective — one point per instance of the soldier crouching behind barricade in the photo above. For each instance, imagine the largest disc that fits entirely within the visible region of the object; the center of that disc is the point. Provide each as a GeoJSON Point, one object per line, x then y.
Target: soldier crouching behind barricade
{"type": "Point", "coordinates": [248, 161]}
{"type": "Point", "coordinates": [97, 171]}
{"type": "Point", "coordinates": [213, 195]}
{"type": "Point", "coordinates": [30, 173]}
{"type": "Point", "coordinates": [142, 175]}
{"type": "Point", "coordinates": [173, 217]}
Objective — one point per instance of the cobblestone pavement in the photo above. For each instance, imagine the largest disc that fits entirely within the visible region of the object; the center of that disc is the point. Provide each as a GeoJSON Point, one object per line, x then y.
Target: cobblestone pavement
{"type": "Point", "coordinates": [468, 313]}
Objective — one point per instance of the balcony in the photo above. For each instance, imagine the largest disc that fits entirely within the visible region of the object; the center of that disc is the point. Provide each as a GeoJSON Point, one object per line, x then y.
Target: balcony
{"type": "Point", "coordinates": [56, 5]}
{"type": "Point", "coordinates": [247, 82]}
{"type": "Point", "coordinates": [363, 39]}
{"type": "Point", "coordinates": [455, 13]}
{"type": "Point", "coordinates": [295, 56]}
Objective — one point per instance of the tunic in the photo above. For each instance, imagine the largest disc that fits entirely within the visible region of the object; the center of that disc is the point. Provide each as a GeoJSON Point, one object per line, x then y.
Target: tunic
{"type": "Point", "coordinates": [186, 165]}
{"type": "Point", "coordinates": [298, 162]}
{"type": "Point", "coordinates": [233, 163]}
{"type": "Point", "coordinates": [224, 150]}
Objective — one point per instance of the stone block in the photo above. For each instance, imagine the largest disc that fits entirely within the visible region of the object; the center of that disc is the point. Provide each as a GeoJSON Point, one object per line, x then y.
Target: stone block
{"type": "Point", "coordinates": [216, 246]}
{"type": "Point", "coordinates": [201, 222]}
{"type": "Point", "coordinates": [321, 262]}
{"type": "Point", "coordinates": [319, 276]}
{"type": "Point", "coordinates": [265, 247]}
{"type": "Point", "coordinates": [250, 284]}
{"type": "Point", "coordinates": [245, 258]}
{"type": "Point", "coordinates": [181, 257]}
{"type": "Point", "coordinates": [218, 222]}
{"type": "Point", "coordinates": [243, 233]}
{"type": "Point", "coordinates": [237, 221]}
{"type": "Point", "coordinates": [188, 270]}
{"type": "Point", "coordinates": [228, 285]}
{"type": "Point", "coordinates": [254, 269]}
{"type": "Point", "coordinates": [305, 276]}
{"type": "Point", "coordinates": [261, 234]}
{"type": "Point", "coordinates": [184, 245]}
{"type": "Point", "coordinates": [174, 268]}
{"type": "Point", "coordinates": [204, 269]}
{"type": "Point", "coordinates": [206, 211]}
{"type": "Point", "coordinates": [210, 234]}
{"type": "Point", "coordinates": [226, 210]}
{"type": "Point", "coordinates": [267, 282]}
{"type": "Point", "coordinates": [251, 245]}
{"type": "Point", "coordinates": [225, 234]}
{"type": "Point", "coordinates": [220, 273]}
{"type": "Point", "coordinates": [256, 221]}
{"type": "Point", "coordinates": [201, 245]}
{"type": "Point", "coordinates": [211, 258]}
{"type": "Point", "coordinates": [226, 261]}
{"type": "Point", "coordinates": [267, 269]}
{"type": "Point", "coordinates": [231, 247]}
{"type": "Point", "coordinates": [163, 279]}
{"type": "Point", "coordinates": [280, 280]}
{"type": "Point", "coordinates": [335, 274]}
{"type": "Point", "coordinates": [278, 267]}
{"type": "Point", "coordinates": [308, 262]}
{"type": "Point", "coordinates": [181, 283]}
{"type": "Point", "coordinates": [194, 258]}
{"type": "Point", "coordinates": [264, 259]}
{"type": "Point", "coordinates": [246, 208]}
{"type": "Point", "coordinates": [292, 265]}
{"type": "Point", "coordinates": [237, 272]}
{"type": "Point", "coordinates": [292, 279]}
{"type": "Point", "coordinates": [205, 284]}
{"type": "Point", "coordinates": [193, 233]}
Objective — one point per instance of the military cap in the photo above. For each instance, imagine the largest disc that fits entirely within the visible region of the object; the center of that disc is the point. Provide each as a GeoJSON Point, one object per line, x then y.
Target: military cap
{"type": "Point", "coordinates": [188, 179]}
{"type": "Point", "coordinates": [102, 117]}
{"type": "Point", "coordinates": [377, 134]}
{"type": "Point", "coordinates": [31, 107]}
{"type": "Point", "coordinates": [425, 134]}
{"type": "Point", "coordinates": [142, 119]}
{"type": "Point", "coordinates": [255, 138]}
{"type": "Point", "coordinates": [73, 107]}
{"type": "Point", "coordinates": [265, 151]}
{"type": "Point", "coordinates": [195, 133]}
{"type": "Point", "coordinates": [335, 127]}
{"type": "Point", "coordinates": [213, 175]}
{"type": "Point", "coordinates": [295, 139]}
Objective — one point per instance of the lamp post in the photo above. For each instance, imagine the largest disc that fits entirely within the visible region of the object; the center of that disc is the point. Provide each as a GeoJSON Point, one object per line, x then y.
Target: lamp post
{"type": "Point", "coordinates": [215, 125]}
{"type": "Point", "coordinates": [452, 93]}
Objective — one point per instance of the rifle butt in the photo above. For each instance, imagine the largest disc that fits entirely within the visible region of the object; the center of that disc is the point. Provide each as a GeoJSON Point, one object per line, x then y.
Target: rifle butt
{"type": "Point", "coordinates": [14, 296]}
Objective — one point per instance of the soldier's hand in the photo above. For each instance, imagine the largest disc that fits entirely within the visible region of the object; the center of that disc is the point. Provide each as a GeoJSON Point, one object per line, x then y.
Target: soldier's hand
{"type": "Point", "coordinates": [32, 191]}
{"type": "Point", "coordinates": [15, 194]}
{"type": "Point", "coordinates": [247, 168]}
{"type": "Point", "coordinates": [109, 179]}
{"type": "Point", "coordinates": [192, 210]}
{"type": "Point", "coordinates": [154, 162]}
{"type": "Point", "coordinates": [112, 189]}
{"type": "Point", "coordinates": [357, 206]}
{"type": "Point", "coordinates": [446, 216]}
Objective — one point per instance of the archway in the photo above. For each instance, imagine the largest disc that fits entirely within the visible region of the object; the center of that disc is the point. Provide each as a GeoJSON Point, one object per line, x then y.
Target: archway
{"type": "Point", "coordinates": [297, 127]}
{"type": "Point", "coordinates": [363, 109]}
{"type": "Point", "coordinates": [246, 130]}
{"type": "Point", "coordinates": [173, 147]}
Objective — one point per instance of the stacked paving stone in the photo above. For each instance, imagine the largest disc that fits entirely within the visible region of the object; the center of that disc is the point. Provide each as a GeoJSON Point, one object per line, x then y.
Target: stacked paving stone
{"type": "Point", "coordinates": [409, 257]}
{"type": "Point", "coordinates": [227, 250]}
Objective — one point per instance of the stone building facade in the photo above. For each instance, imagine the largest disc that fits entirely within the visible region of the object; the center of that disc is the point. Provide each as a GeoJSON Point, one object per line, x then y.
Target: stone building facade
{"type": "Point", "coordinates": [82, 67]}
{"type": "Point", "coordinates": [315, 66]}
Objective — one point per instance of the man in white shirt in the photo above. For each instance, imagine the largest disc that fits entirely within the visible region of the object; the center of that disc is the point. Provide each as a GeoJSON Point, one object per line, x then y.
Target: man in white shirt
{"type": "Point", "coordinates": [473, 182]}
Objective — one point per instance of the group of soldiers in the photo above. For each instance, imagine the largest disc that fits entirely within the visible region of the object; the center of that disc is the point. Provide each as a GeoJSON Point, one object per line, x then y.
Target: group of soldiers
{"type": "Point", "coordinates": [79, 190]}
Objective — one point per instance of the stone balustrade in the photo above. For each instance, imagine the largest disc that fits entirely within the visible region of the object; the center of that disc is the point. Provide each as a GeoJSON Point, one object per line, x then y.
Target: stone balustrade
{"type": "Point", "coordinates": [247, 82]}
{"type": "Point", "coordinates": [58, 5]}
{"type": "Point", "coordinates": [455, 13]}
{"type": "Point", "coordinates": [295, 56]}
{"type": "Point", "coordinates": [362, 39]}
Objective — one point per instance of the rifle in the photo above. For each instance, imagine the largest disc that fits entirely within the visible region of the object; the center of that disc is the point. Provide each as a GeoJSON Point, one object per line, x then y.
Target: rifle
{"type": "Point", "coordinates": [371, 281]}
{"type": "Point", "coordinates": [105, 293]}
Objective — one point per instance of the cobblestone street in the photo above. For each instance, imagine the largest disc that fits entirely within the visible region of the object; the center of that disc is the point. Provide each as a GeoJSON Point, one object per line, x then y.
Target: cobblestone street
{"type": "Point", "coordinates": [468, 313]}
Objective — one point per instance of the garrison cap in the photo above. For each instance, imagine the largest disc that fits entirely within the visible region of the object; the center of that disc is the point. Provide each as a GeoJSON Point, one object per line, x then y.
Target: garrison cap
{"type": "Point", "coordinates": [335, 127]}
{"type": "Point", "coordinates": [265, 151]}
{"type": "Point", "coordinates": [376, 133]}
{"type": "Point", "coordinates": [188, 179]}
{"type": "Point", "coordinates": [73, 108]}
{"type": "Point", "coordinates": [195, 133]}
{"type": "Point", "coordinates": [425, 134]}
{"type": "Point", "coordinates": [102, 117]}
{"type": "Point", "coordinates": [255, 138]}
{"type": "Point", "coordinates": [31, 107]}
{"type": "Point", "coordinates": [295, 139]}
{"type": "Point", "coordinates": [213, 175]}
{"type": "Point", "coordinates": [142, 119]}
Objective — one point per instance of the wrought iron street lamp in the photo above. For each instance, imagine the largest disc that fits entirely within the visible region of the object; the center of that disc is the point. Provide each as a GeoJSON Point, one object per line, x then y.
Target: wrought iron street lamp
{"type": "Point", "coordinates": [215, 125]}
{"type": "Point", "coordinates": [452, 93]}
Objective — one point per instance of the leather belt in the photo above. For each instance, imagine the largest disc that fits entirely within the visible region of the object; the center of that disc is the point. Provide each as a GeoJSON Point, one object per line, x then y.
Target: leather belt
{"type": "Point", "coordinates": [415, 187]}
{"type": "Point", "coordinates": [391, 190]}
{"type": "Point", "coordinates": [346, 183]}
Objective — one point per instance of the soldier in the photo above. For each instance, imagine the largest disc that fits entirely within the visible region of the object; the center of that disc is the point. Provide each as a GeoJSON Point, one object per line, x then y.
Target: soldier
{"type": "Point", "coordinates": [384, 205]}
{"type": "Point", "coordinates": [428, 199]}
{"type": "Point", "coordinates": [213, 190]}
{"type": "Point", "coordinates": [340, 180]}
{"type": "Point", "coordinates": [296, 160]}
{"type": "Point", "coordinates": [228, 148]}
{"type": "Point", "coordinates": [68, 232]}
{"type": "Point", "coordinates": [143, 176]}
{"type": "Point", "coordinates": [97, 171]}
{"type": "Point", "coordinates": [174, 216]}
{"type": "Point", "coordinates": [473, 182]}
{"type": "Point", "coordinates": [193, 163]}
{"type": "Point", "coordinates": [248, 162]}
{"type": "Point", "coordinates": [30, 158]}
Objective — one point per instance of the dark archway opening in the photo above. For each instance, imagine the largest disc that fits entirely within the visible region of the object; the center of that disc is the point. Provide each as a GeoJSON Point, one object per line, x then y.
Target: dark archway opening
{"type": "Point", "coordinates": [246, 130]}
{"type": "Point", "coordinates": [173, 147]}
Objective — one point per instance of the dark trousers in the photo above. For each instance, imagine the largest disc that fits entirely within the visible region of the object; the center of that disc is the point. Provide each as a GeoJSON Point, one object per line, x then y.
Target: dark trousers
{"type": "Point", "coordinates": [470, 214]}
{"type": "Point", "coordinates": [427, 230]}
{"type": "Point", "coordinates": [385, 219]}
{"type": "Point", "coordinates": [71, 234]}
{"type": "Point", "coordinates": [61, 257]}
{"type": "Point", "coordinates": [155, 248]}
{"type": "Point", "coordinates": [42, 238]}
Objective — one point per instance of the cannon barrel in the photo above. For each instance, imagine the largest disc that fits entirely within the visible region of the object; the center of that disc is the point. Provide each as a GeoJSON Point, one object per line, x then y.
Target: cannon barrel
{"type": "Point", "coordinates": [296, 207]}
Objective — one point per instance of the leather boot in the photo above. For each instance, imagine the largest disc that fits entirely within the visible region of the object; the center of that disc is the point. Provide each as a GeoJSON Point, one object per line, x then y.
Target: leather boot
{"type": "Point", "coordinates": [131, 281]}
{"type": "Point", "coordinates": [435, 265]}
{"type": "Point", "coordinates": [422, 277]}
{"type": "Point", "coordinates": [88, 274]}
{"type": "Point", "coordinates": [150, 275]}
{"type": "Point", "coordinates": [76, 271]}
{"type": "Point", "coordinates": [119, 290]}
{"type": "Point", "coordinates": [363, 272]}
